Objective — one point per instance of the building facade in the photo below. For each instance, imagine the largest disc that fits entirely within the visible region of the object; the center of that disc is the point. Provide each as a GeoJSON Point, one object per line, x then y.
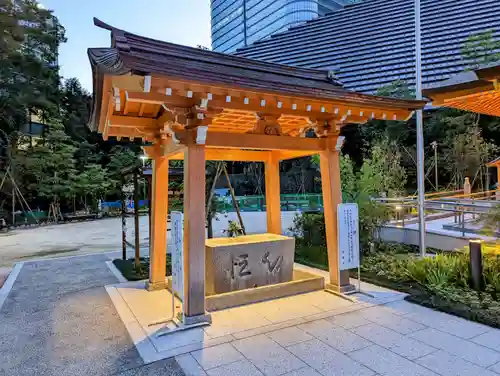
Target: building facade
{"type": "Point", "coordinates": [238, 23]}
{"type": "Point", "coordinates": [371, 44]}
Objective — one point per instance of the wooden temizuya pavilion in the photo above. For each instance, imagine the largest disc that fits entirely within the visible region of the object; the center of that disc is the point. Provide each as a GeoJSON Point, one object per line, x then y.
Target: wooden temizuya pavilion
{"type": "Point", "coordinates": [475, 90]}
{"type": "Point", "coordinates": [197, 105]}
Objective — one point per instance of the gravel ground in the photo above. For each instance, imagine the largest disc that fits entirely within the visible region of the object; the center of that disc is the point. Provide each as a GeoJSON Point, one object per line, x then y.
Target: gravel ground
{"type": "Point", "coordinates": [59, 320]}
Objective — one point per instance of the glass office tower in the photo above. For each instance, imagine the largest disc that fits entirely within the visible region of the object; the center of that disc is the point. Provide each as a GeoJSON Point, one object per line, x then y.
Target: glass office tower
{"type": "Point", "coordinates": [238, 23]}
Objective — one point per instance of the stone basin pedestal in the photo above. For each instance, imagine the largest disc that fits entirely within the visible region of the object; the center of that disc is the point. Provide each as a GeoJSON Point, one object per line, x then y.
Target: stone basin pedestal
{"type": "Point", "coordinates": [248, 261]}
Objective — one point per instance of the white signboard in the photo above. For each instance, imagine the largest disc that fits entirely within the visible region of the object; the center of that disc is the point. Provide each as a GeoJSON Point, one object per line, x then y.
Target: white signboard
{"type": "Point", "coordinates": [348, 236]}
{"type": "Point", "coordinates": [177, 231]}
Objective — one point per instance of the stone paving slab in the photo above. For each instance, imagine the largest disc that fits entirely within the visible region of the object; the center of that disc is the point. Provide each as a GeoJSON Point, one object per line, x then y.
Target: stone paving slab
{"type": "Point", "coordinates": [467, 350]}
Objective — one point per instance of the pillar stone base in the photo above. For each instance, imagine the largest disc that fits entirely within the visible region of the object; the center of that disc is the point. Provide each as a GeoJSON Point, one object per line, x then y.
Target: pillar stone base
{"type": "Point", "coordinates": [344, 285]}
{"type": "Point", "coordinates": [199, 319]}
{"type": "Point", "coordinates": [341, 289]}
{"type": "Point", "coordinates": [155, 286]}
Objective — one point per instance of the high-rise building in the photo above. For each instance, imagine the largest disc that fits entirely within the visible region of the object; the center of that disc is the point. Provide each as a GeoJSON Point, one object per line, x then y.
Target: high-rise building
{"type": "Point", "coordinates": [371, 44]}
{"type": "Point", "coordinates": [238, 23]}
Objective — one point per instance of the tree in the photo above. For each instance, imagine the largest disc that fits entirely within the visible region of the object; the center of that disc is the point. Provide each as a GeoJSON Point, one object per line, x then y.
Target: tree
{"type": "Point", "coordinates": [467, 154]}
{"type": "Point", "coordinates": [120, 157]}
{"type": "Point", "coordinates": [75, 108]}
{"type": "Point", "coordinates": [380, 174]}
{"type": "Point", "coordinates": [481, 48]}
{"type": "Point", "coordinates": [30, 36]}
{"type": "Point", "coordinates": [396, 89]}
{"type": "Point", "coordinates": [53, 166]}
{"type": "Point", "coordinates": [93, 182]}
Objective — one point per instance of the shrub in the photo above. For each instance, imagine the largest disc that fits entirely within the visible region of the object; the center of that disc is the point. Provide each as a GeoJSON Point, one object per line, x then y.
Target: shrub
{"type": "Point", "coordinates": [309, 228]}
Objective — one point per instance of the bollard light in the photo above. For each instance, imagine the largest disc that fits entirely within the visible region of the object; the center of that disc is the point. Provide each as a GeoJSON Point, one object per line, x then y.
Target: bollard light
{"type": "Point", "coordinates": [476, 263]}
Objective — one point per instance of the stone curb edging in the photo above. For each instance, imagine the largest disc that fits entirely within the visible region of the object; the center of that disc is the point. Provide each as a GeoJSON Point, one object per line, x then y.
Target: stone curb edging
{"type": "Point", "coordinates": [9, 282]}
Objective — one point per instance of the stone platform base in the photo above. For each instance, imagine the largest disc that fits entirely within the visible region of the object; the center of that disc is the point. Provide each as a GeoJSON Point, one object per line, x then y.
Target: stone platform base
{"type": "Point", "coordinates": [302, 282]}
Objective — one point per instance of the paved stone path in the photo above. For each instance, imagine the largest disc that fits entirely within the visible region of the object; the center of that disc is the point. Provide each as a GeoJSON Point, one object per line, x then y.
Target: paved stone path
{"type": "Point", "coordinates": [395, 339]}
{"type": "Point", "coordinates": [59, 320]}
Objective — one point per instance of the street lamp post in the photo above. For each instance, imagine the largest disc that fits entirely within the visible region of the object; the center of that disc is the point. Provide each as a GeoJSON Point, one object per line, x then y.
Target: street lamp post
{"type": "Point", "coordinates": [420, 129]}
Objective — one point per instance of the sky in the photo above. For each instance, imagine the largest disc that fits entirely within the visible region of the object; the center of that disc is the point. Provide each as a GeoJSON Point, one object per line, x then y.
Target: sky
{"type": "Point", "coordinates": [179, 21]}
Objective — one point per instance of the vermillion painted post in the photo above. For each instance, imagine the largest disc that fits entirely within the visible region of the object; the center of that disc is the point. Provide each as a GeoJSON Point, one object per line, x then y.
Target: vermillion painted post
{"type": "Point", "coordinates": [332, 197]}
{"type": "Point", "coordinates": [159, 214]}
{"type": "Point", "coordinates": [273, 205]}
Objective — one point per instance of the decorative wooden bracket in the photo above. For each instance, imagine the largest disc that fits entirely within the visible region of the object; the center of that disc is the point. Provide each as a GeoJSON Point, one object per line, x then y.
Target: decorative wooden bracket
{"type": "Point", "coordinates": [324, 127]}
{"type": "Point", "coordinates": [267, 124]}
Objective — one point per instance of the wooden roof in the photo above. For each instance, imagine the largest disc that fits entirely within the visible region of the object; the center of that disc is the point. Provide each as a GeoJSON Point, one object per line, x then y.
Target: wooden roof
{"type": "Point", "coordinates": [143, 86]}
{"type": "Point", "coordinates": [475, 90]}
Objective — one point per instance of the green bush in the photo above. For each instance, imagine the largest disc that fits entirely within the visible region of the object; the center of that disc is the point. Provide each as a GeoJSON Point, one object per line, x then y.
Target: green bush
{"type": "Point", "coordinates": [309, 229]}
{"type": "Point", "coordinates": [441, 281]}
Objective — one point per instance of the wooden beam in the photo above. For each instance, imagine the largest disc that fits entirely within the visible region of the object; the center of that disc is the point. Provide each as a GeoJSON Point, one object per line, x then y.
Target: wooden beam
{"type": "Point", "coordinates": [256, 141]}
{"type": "Point", "coordinates": [141, 109]}
{"type": "Point", "coordinates": [284, 155]}
{"type": "Point", "coordinates": [255, 97]}
{"type": "Point", "coordinates": [215, 154]}
{"type": "Point", "coordinates": [158, 98]}
{"type": "Point", "coordinates": [131, 121]}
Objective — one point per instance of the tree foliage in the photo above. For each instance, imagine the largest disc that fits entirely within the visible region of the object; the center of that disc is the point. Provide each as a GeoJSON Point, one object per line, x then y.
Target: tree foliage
{"type": "Point", "coordinates": [481, 48]}
{"type": "Point", "coordinates": [30, 37]}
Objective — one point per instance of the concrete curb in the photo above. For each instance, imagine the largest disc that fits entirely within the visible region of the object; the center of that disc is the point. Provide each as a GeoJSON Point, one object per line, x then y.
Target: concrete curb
{"type": "Point", "coordinates": [9, 283]}
{"type": "Point", "coordinates": [116, 272]}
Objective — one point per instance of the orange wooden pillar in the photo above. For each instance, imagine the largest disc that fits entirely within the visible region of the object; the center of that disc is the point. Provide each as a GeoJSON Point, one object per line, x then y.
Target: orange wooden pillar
{"type": "Point", "coordinates": [159, 214]}
{"type": "Point", "coordinates": [194, 234]}
{"type": "Point", "coordinates": [273, 204]}
{"type": "Point", "coordinates": [332, 197]}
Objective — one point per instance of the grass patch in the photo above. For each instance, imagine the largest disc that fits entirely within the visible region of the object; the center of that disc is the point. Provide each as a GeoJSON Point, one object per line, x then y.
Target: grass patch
{"type": "Point", "coordinates": [133, 273]}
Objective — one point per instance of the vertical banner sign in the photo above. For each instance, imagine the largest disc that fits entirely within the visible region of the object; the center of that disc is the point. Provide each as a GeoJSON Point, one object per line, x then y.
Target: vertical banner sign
{"type": "Point", "coordinates": [177, 231]}
{"type": "Point", "coordinates": [348, 236]}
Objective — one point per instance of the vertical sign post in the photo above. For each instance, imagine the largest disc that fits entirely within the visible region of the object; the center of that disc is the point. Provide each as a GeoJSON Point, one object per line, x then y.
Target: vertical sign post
{"type": "Point", "coordinates": [348, 230]}
{"type": "Point", "coordinates": [348, 235]}
{"type": "Point", "coordinates": [177, 222]}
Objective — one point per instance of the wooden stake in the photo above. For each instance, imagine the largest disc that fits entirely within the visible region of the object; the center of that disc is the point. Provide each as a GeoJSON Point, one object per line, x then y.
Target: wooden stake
{"type": "Point", "coordinates": [233, 197]}
{"type": "Point", "coordinates": [136, 220]}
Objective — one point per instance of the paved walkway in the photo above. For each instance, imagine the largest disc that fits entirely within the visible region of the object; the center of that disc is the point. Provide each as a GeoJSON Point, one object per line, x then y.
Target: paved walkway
{"type": "Point", "coordinates": [59, 320]}
{"type": "Point", "coordinates": [396, 339]}
{"type": "Point", "coordinates": [315, 334]}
